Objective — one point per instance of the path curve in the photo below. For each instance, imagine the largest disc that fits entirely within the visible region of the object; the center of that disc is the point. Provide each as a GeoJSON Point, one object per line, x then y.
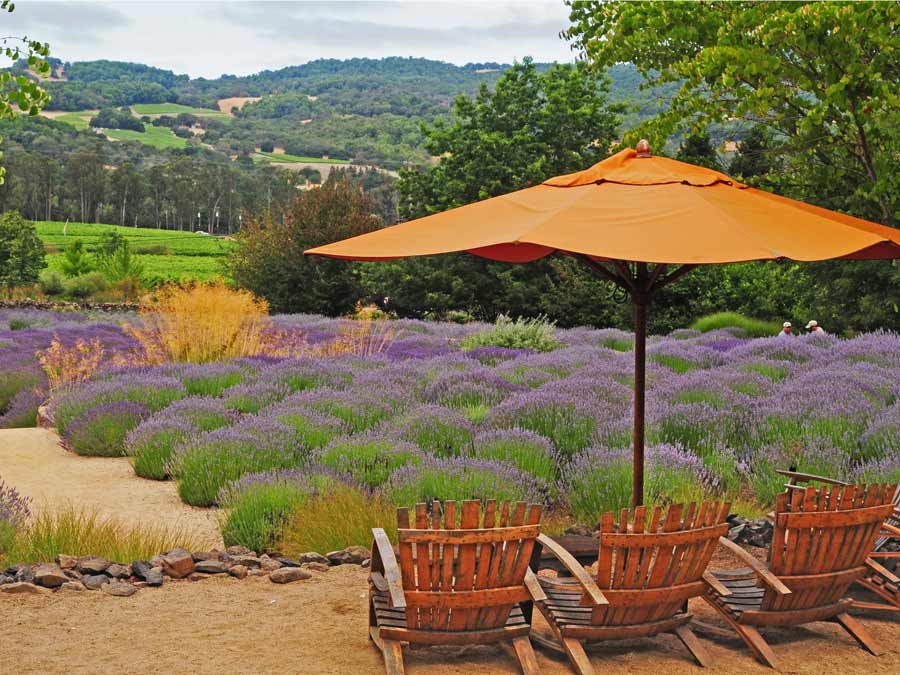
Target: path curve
{"type": "Point", "coordinates": [32, 461]}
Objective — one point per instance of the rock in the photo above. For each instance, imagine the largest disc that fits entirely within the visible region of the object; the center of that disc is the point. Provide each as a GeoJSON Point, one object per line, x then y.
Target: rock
{"type": "Point", "coordinates": [24, 574]}
{"type": "Point", "coordinates": [312, 556]}
{"type": "Point", "coordinates": [239, 550]}
{"type": "Point", "coordinates": [93, 582]}
{"type": "Point", "coordinates": [117, 571]}
{"type": "Point", "coordinates": [66, 562]}
{"type": "Point", "coordinates": [263, 573]}
{"type": "Point", "coordinates": [198, 576]}
{"type": "Point", "coordinates": [75, 575]}
{"type": "Point", "coordinates": [316, 566]}
{"type": "Point", "coordinates": [23, 587]}
{"type": "Point", "coordinates": [140, 569]}
{"type": "Point", "coordinates": [50, 576]}
{"type": "Point", "coordinates": [178, 563]}
{"type": "Point", "coordinates": [352, 555]}
{"type": "Point", "coordinates": [238, 571]}
{"type": "Point", "coordinates": [735, 533]}
{"type": "Point", "coordinates": [289, 562]}
{"type": "Point", "coordinates": [72, 586]}
{"type": "Point", "coordinates": [286, 575]}
{"type": "Point", "coordinates": [365, 564]}
{"type": "Point", "coordinates": [207, 555]}
{"type": "Point", "coordinates": [119, 589]}
{"type": "Point", "coordinates": [92, 565]}
{"type": "Point", "coordinates": [246, 560]}
{"type": "Point", "coordinates": [211, 567]}
{"type": "Point", "coordinates": [156, 561]}
{"type": "Point", "coordinates": [267, 563]}
{"type": "Point", "coordinates": [155, 577]}
{"type": "Point", "coordinates": [5, 579]}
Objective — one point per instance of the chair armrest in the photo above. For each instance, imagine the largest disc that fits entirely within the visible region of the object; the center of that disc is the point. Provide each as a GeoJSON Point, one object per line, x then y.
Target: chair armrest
{"type": "Point", "coordinates": [891, 530]}
{"type": "Point", "coordinates": [534, 587]}
{"type": "Point", "coordinates": [575, 569]}
{"type": "Point", "coordinates": [391, 571]}
{"type": "Point", "coordinates": [882, 571]}
{"type": "Point", "coordinates": [761, 571]}
{"type": "Point", "coordinates": [715, 584]}
{"type": "Point", "coordinates": [807, 477]}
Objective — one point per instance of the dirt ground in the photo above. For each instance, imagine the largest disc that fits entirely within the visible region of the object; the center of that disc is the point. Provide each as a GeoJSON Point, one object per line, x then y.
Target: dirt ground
{"type": "Point", "coordinates": [319, 627]}
{"type": "Point", "coordinates": [32, 461]}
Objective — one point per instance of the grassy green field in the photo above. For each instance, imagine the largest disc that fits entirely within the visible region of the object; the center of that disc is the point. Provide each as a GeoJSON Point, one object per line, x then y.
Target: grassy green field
{"type": "Point", "coordinates": [174, 109]}
{"type": "Point", "coordinates": [192, 256]}
{"type": "Point", "coordinates": [283, 157]}
{"type": "Point", "coordinates": [80, 120]}
{"type": "Point", "coordinates": [158, 137]}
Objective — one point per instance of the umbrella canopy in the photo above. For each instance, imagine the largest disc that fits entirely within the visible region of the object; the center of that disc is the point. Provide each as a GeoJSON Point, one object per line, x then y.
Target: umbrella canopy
{"type": "Point", "coordinates": [640, 222]}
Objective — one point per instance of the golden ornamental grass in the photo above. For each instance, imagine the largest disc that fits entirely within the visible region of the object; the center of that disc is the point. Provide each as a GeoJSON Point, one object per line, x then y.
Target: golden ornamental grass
{"type": "Point", "coordinates": [70, 365]}
{"type": "Point", "coordinates": [201, 323]}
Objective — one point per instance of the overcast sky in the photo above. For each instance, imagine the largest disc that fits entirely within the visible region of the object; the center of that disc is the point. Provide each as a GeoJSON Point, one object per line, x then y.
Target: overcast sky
{"type": "Point", "coordinates": [212, 37]}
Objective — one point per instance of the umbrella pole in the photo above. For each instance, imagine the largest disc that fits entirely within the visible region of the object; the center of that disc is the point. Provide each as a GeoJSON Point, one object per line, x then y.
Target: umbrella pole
{"type": "Point", "coordinates": [640, 382]}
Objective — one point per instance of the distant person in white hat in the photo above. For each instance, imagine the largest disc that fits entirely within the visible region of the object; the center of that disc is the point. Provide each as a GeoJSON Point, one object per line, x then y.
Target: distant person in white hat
{"type": "Point", "coordinates": [786, 330]}
{"type": "Point", "coordinates": [814, 327]}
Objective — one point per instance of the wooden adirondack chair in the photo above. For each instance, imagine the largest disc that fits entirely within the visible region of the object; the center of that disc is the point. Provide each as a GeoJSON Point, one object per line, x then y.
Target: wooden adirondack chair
{"type": "Point", "coordinates": [456, 584]}
{"type": "Point", "coordinates": [820, 544]}
{"type": "Point", "coordinates": [644, 580]}
{"type": "Point", "coordinates": [878, 578]}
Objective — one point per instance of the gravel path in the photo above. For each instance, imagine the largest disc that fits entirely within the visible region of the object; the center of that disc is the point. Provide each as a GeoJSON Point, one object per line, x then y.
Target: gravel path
{"type": "Point", "coordinates": [32, 461]}
{"type": "Point", "coordinates": [318, 627]}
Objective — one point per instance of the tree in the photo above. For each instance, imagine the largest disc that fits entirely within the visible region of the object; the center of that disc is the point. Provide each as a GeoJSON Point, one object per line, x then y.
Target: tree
{"type": "Point", "coordinates": [76, 260]}
{"type": "Point", "coordinates": [532, 126]}
{"type": "Point", "coordinates": [269, 260]}
{"type": "Point", "coordinates": [21, 251]}
{"type": "Point", "coordinates": [20, 89]}
{"type": "Point", "coordinates": [697, 149]}
{"type": "Point", "coordinates": [825, 76]}
{"type": "Point", "coordinates": [754, 159]}
{"type": "Point", "coordinates": [121, 264]}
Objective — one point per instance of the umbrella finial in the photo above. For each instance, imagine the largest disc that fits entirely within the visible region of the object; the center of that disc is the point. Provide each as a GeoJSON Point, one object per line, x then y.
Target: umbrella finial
{"type": "Point", "coordinates": [643, 148]}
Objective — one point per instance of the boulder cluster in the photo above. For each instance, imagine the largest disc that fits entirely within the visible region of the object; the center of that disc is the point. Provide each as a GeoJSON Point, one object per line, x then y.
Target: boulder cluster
{"type": "Point", "coordinates": [71, 573]}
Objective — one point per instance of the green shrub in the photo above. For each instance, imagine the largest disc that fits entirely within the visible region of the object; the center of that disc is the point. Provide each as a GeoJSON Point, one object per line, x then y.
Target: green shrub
{"type": "Point", "coordinates": [101, 431]}
{"type": "Point", "coordinates": [535, 334]}
{"type": "Point", "coordinates": [256, 517]}
{"type": "Point", "coordinates": [52, 284]}
{"type": "Point", "coordinates": [749, 327]}
{"type": "Point", "coordinates": [368, 460]}
{"type": "Point", "coordinates": [85, 285]}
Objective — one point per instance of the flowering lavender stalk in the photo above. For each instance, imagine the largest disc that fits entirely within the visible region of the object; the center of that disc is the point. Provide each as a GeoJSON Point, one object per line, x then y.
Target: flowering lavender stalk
{"type": "Point", "coordinates": [14, 510]}
{"type": "Point", "coordinates": [101, 431]}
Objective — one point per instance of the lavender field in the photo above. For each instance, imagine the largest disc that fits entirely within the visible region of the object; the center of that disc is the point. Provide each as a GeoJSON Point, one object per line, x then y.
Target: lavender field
{"type": "Point", "coordinates": [426, 419]}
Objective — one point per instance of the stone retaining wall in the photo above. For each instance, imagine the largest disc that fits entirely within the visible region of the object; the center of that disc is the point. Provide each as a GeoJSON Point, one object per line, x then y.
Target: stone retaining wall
{"type": "Point", "coordinates": [70, 306]}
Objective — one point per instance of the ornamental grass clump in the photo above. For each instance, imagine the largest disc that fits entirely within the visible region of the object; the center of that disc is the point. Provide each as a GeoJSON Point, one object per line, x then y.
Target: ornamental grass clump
{"type": "Point", "coordinates": [535, 334]}
{"type": "Point", "coordinates": [258, 506]}
{"type": "Point", "coordinates": [440, 431]}
{"type": "Point", "coordinates": [526, 450]}
{"type": "Point", "coordinates": [369, 459]}
{"type": "Point", "coordinates": [205, 464]}
{"type": "Point", "coordinates": [101, 431]}
{"type": "Point", "coordinates": [599, 479]}
{"type": "Point", "coordinates": [151, 443]}
{"type": "Point", "coordinates": [461, 478]}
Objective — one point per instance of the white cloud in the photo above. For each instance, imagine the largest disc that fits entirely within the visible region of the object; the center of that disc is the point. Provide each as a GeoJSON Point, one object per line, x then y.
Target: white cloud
{"type": "Point", "coordinates": [219, 36]}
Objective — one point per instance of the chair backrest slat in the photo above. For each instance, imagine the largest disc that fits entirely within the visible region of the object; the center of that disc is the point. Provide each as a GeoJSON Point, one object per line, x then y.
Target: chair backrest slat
{"type": "Point", "coordinates": [650, 571]}
{"type": "Point", "coordinates": [821, 540]}
{"type": "Point", "coordinates": [464, 569]}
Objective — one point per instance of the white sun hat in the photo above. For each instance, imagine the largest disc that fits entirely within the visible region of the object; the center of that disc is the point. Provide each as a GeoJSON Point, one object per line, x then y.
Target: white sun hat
{"type": "Point", "coordinates": [786, 324]}
{"type": "Point", "coordinates": [812, 324]}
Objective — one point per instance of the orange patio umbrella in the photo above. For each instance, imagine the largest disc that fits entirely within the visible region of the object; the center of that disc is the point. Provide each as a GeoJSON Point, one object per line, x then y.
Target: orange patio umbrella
{"type": "Point", "coordinates": [640, 222]}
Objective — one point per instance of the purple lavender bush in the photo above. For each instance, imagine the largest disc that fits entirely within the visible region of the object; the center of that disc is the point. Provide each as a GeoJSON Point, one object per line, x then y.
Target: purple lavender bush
{"type": "Point", "coordinates": [311, 428]}
{"type": "Point", "coordinates": [599, 479]}
{"type": "Point", "coordinates": [205, 464]}
{"type": "Point", "coordinates": [151, 443]}
{"type": "Point", "coordinates": [101, 431]}
{"type": "Point", "coordinates": [369, 459]}
{"type": "Point", "coordinates": [461, 478]}
{"type": "Point", "coordinates": [14, 513]}
{"type": "Point", "coordinates": [526, 450]}
{"type": "Point", "coordinates": [437, 430]}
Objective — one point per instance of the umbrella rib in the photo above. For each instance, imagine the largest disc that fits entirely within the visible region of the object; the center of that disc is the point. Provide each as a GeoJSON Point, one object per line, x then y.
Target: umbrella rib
{"type": "Point", "coordinates": [603, 271]}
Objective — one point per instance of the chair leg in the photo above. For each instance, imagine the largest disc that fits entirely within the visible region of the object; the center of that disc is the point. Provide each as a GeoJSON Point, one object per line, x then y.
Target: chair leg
{"type": "Point", "coordinates": [758, 645]}
{"type": "Point", "coordinates": [859, 633]}
{"type": "Point", "coordinates": [689, 640]}
{"type": "Point", "coordinates": [525, 655]}
{"type": "Point", "coordinates": [577, 656]}
{"type": "Point", "coordinates": [391, 651]}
